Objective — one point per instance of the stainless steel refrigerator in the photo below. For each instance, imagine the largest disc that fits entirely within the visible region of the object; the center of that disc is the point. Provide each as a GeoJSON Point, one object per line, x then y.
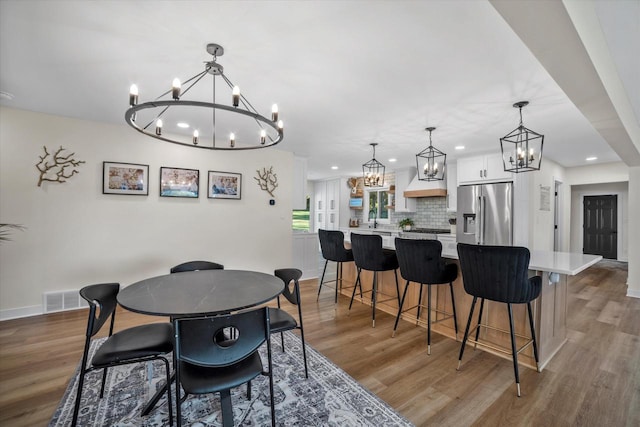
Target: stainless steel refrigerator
{"type": "Point", "coordinates": [485, 214]}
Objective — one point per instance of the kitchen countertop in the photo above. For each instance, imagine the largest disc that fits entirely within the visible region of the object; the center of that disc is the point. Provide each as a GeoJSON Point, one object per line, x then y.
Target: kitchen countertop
{"type": "Point", "coordinates": [554, 262]}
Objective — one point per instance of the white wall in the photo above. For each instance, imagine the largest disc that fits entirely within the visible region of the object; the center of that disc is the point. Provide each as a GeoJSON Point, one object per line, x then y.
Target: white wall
{"type": "Point", "coordinates": [542, 221]}
{"type": "Point", "coordinates": [633, 280]}
{"type": "Point", "coordinates": [76, 236]}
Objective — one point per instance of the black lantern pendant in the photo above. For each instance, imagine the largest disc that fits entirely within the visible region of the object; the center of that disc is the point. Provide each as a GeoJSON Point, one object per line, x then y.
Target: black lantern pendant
{"type": "Point", "coordinates": [522, 147]}
{"type": "Point", "coordinates": [373, 171]}
{"type": "Point", "coordinates": [431, 162]}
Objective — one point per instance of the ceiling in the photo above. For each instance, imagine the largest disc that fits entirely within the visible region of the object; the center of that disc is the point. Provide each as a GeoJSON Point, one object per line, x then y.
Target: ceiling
{"type": "Point", "coordinates": [344, 74]}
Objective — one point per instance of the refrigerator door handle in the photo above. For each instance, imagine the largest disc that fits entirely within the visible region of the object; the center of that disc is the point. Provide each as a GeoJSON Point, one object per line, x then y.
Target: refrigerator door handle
{"type": "Point", "coordinates": [483, 206]}
{"type": "Point", "coordinates": [478, 220]}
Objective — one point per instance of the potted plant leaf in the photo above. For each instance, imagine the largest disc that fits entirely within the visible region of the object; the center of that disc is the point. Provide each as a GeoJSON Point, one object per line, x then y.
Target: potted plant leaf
{"type": "Point", "coordinates": [406, 224]}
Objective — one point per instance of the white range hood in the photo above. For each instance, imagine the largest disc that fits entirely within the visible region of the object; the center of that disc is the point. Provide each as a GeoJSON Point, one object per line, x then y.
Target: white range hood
{"type": "Point", "coordinates": [417, 188]}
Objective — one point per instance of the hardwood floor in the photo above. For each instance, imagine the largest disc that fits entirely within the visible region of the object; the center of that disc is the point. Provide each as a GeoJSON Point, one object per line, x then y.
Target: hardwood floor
{"type": "Point", "coordinates": [594, 380]}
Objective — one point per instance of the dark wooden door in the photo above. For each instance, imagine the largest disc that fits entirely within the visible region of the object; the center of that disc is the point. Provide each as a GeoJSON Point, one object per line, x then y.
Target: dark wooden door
{"type": "Point", "coordinates": [601, 226]}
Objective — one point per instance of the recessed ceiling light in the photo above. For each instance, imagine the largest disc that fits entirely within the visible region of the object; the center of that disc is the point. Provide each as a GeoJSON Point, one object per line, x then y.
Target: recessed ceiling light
{"type": "Point", "coordinates": [334, 167]}
{"type": "Point", "coordinates": [592, 158]}
{"type": "Point", "coordinates": [459, 147]}
{"type": "Point", "coordinates": [393, 160]}
{"type": "Point", "coordinates": [183, 125]}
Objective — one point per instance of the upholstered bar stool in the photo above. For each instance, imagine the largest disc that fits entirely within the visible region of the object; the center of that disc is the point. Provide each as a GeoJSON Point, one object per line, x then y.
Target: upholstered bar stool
{"type": "Point", "coordinates": [332, 247]}
{"type": "Point", "coordinates": [421, 262]}
{"type": "Point", "coordinates": [369, 254]}
{"type": "Point", "coordinates": [499, 273]}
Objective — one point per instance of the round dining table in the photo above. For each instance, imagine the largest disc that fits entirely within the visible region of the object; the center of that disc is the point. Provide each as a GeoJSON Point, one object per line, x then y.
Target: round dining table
{"type": "Point", "coordinates": [200, 293]}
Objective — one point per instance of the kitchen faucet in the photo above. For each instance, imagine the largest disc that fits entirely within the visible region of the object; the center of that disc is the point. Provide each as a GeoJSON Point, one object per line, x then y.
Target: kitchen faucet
{"type": "Point", "coordinates": [375, 218]}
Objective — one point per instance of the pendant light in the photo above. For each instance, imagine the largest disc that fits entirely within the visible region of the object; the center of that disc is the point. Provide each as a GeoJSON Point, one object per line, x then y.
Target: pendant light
{"type": "Point", "coordinates": [431, 162]}
{"type": "Point", "coordinates": [373, 171]}
{"type": "Point", "coordinates": [522, 147]}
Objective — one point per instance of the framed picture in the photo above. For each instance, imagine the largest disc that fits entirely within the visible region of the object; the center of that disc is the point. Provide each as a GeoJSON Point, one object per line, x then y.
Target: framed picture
{"type": "Point", "coordinates": [224, 185]}
{"type": "Point", "coordinates": [125, 178]}
{"type": "Point", "coordinates": [176, 182]}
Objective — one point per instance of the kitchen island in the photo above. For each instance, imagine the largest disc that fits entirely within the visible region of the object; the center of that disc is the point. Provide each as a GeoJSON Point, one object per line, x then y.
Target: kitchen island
{"type": "Point", "coordinates": [549, 309]}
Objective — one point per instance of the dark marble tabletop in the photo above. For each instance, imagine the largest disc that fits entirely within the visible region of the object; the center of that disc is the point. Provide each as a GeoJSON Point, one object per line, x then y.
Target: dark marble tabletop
{"type": "Point", "coordinates": [198, 293]}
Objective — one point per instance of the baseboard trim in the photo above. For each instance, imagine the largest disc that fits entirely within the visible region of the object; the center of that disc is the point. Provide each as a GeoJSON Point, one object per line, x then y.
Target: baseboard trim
{"type": "Point", "coordinates": [16, 313]}
{"type": "Point", "coordinates": [633, 293]}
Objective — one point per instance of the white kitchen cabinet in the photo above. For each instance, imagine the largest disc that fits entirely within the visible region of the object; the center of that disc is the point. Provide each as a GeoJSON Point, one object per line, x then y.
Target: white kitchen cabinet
{"type": "Point", "coordinates": [331, 204]}
{"type": "Point", "coordinates": [452, 187]}
{"type": "Point", "coordinates": [403, 178]}
{"type": "Point", "coordinates": [481, 169]}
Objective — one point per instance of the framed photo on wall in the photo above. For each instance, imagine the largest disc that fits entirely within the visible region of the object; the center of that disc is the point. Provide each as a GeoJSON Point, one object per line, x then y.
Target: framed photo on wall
{"type": "Point", "coordinates": [224, 185]}
{"type": "Point", "coordinates": [177, 182]}
{"type": "Point", "coordinates": [125, 178]}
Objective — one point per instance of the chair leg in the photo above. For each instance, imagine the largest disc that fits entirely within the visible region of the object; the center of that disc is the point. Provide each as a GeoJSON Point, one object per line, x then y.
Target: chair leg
{"type": "Point", "coordinates": [453, 304]}
{"type": "Point", "coordinates": [419, 304]}
{"type": "Point", "coordinates": [353, 295]}
{"type": "Point", "coordinates": [466, 331]}
{"type": "Point", "coordinates": [479, 321]}
{"type": "Point", "coordinates": [168, 374]}
{"type": "Point", "coordinates": [373, 297]}
{"type": "Point", "coordinates": [337, 281]}
{"type": "Point", "coordinates": [304, 352]}
{"type": "Point", "coordinates": [404, 295]}
{"type": "Point", "coordinates": [104, 380]}
{"type": "Point", "coordinates": [282, 340]}
{"type": "Point", "coordinates": [533, 335]}
{"type": "Point", "coordinates": [513, 349]}
{"type": "Point", "coordinates": [429, 320]}
{"type": "Point", "coordinates": [227, 409]}
{"type": "Point", "coordinates": [395, 273]}
{"type": "Point", "coordinates": [324, 270]}
{"type": "Point", "coordinates": [76, 408]}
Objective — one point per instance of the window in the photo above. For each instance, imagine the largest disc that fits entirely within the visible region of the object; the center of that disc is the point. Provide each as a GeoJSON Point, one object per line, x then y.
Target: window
{"type": "Point", "coordinates": [301, 219]}
{"type": "Point", "coordinates": [377, 202]}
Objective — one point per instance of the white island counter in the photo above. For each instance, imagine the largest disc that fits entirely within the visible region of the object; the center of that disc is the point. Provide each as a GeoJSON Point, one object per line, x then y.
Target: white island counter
{"type": "Point", "coordinates": [550, 309]}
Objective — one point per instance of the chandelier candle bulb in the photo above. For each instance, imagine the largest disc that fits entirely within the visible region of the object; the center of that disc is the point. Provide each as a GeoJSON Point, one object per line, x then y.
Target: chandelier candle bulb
{"type": "Point", "coordinates": [133, 95]}
{"type": "Point", "coordinates": [263, 136]}
{"type": "Point", "coordinates": [232, 140]}
{"type": "Point", "coordinates": [196, 134]}
{"type": "Point", "coordinates": [274, 112]}
{"type": "Point", "coordinates": [175, 89]}
{"type": "Point", "coordinates": [159, 127]}
{"type": "Point", "coordinates": [236, 96]}
{"type": "Point", "coordinates": [280, 126]}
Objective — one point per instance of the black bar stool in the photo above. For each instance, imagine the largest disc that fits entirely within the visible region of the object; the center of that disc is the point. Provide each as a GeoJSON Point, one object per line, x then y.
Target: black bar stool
{"type": "Point", "coordinates": [368, 254]}
{"type": "Point", "coordinates": [421, 262]}
{"type": "Point", "coordinates": [332, 247]}
{"type": "Point", "coordinates": [499, 273]}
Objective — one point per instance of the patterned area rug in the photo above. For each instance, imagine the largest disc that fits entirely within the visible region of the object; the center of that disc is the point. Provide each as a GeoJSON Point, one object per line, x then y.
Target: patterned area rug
{"type": "Point", "coordinates": [329, 397]}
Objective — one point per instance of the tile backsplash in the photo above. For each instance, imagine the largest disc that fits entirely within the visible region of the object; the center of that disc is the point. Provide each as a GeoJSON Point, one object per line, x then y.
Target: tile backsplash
{"type": "Point", "coordinates": [431, 212]}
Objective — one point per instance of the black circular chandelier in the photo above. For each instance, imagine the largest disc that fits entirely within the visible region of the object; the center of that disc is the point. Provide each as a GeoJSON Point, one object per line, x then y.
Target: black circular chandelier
{"type": "Point", "coordinates": [203, 124]}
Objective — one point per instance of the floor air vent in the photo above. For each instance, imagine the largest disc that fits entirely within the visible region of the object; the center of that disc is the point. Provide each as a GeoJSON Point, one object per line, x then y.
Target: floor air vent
{"type": "Point", "coordinates": [63, 300]}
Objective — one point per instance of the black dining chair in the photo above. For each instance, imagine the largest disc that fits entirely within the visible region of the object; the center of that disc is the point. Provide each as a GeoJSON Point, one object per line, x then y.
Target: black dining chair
{"type": "Point", "coordinates": [369, 255]}
{"type": "Point", "coordinates": [208, 364]}
{"type": "Point", "coordinates": [499, 273]}
{"type": "Point", "coordinates": [333, 249]}
{"type": "Point", "coordinates": [196, 265]}
{"type": "Point", "coordinates": [138, 344]}
{"type": "Point", "coordinates": [280, 320]}
{"type": "Point", "coordinates": [421, 262]}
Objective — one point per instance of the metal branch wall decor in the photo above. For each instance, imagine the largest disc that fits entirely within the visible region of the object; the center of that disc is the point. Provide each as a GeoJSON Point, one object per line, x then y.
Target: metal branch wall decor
{"type": "Point", "coordinates": [57, 167]}
{"type": "Point", "coordinates": [267, 180]}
